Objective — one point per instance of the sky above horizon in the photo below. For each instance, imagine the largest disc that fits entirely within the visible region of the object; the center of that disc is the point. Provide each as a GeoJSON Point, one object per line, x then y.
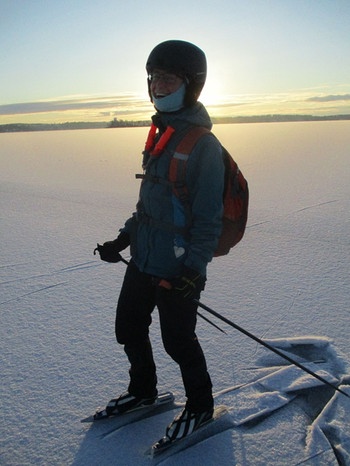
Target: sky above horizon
{"type": "Point", "coordinates": [84, 60]}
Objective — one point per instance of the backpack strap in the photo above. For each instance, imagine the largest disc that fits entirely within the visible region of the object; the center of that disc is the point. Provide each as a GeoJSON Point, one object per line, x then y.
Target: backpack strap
{"type": "Point", "coordinates": [176, 180]}
{"type": "Point", "coordinates": [177, 169]}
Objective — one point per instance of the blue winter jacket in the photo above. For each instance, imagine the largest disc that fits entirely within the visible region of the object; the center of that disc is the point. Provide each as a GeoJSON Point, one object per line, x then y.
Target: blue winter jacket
{"type": "Point", "coordinates": [162, 251]}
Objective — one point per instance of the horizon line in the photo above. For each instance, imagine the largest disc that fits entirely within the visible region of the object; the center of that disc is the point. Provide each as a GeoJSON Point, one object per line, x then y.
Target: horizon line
{"type": "Point", "coordinates": [267, 118]}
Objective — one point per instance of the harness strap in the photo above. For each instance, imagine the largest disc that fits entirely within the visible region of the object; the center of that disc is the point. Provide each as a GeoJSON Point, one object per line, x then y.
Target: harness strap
{"type": "Point", "coordinates": [165, 226]}
{"type": "Point", "coordinates": [151, 137]}
{"type": "Point", "coordinates": [152, 178]}
{"type": "Point", "coordinates": [163, 141]}
{"type": "Point", "coordinates": [177, 170]}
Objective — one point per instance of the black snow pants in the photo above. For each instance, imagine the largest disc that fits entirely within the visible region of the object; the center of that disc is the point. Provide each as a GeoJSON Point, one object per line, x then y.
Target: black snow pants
{"type": "Point", "coordinates": [139, 295]}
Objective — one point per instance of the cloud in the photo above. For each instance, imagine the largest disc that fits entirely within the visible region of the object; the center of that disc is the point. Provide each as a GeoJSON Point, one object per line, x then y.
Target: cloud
{"type": "Point", "coordinates": [136, 107]}
{"type": "Point", "coordinates": [113, 103]}
{"type": "Point", "coordinates": [329, 98]}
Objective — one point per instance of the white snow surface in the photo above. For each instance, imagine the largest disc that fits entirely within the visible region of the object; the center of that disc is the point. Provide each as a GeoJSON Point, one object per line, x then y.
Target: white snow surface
{"type": "Point", "coordinates": [287, 282]}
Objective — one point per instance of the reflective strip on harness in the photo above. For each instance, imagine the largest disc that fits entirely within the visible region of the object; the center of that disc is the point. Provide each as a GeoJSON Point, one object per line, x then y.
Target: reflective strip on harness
{"type": "Point", "coordinates": [177, 175]}
{"type": "Point", "coordinates": [180, 156]}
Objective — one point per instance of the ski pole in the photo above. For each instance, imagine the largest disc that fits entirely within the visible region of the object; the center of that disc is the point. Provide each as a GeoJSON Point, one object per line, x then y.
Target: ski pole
{"type": "Point", "coordinates": [124, 260]}
{"type": "Point", "coordinates": [120, 258]}
{"type": "Point", "coordinates": [210, 322]}
{"type": "Point", "coordinates": [263, 343]}
{"type": "Point", "coordinates": [167, 285]}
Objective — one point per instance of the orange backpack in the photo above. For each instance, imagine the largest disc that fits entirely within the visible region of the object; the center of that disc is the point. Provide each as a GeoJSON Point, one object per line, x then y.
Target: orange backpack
{"type": "Point", "coordinates": [236, 193]}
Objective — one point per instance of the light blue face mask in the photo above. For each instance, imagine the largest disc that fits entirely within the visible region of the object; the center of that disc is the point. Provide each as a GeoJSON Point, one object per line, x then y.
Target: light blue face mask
{"type": "Point", "coordinates": [172, 102]}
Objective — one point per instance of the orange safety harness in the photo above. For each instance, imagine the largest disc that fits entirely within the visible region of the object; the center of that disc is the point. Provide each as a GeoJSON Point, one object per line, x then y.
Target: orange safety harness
{"type": "Point", "coordinates": [156, 148]}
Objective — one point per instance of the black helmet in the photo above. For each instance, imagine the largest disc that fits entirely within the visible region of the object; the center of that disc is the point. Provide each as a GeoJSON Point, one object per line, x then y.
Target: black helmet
{"type": "Point", "coordinates": [182, 58]}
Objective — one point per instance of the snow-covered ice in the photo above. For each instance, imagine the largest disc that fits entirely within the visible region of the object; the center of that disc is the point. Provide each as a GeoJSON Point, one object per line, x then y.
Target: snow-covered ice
{"type": "Point", "coordinates": [287, 282]}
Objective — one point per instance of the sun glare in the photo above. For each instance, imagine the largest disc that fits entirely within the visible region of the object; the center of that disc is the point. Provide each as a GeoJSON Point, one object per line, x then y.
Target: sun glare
{"type": "Point", "coordinates": [211, 94]}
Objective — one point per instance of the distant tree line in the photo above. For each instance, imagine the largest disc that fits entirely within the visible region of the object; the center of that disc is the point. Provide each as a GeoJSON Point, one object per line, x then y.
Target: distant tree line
{"type": "Point", "coordinates": [16, 127]}
{"type": "Point", "coordinates": [115, 123]}
{"type": "Point", "coordinates": [126, 124]}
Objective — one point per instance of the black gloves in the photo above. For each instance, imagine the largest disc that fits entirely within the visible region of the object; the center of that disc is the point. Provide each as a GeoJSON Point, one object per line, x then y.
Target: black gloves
{"type": "Point", "coordinates": [189, 284]}
{"type": "Point", "coordinates": [109, 251]}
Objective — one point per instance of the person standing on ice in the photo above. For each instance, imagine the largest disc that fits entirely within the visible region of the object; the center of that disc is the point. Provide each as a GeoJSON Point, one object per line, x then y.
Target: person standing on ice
{"type": "Point", "coordinates": [169, 241]}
